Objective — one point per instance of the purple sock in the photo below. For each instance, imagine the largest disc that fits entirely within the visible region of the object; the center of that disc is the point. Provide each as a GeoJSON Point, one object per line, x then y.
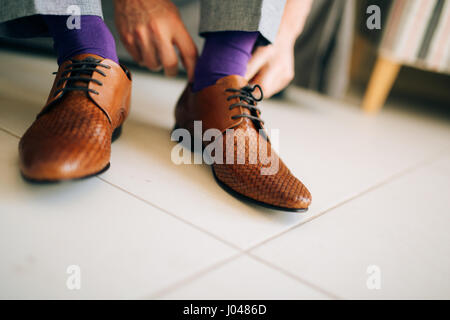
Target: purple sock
{"type": "Point", "coordinates": [92, 37]}
{"type": "Point", "coordinates": [224, 53]}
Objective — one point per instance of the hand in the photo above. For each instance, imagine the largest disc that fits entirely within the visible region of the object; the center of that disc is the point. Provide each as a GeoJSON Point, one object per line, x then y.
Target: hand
{"type": "Point", "coordinates": [272, 66]}
{"type": "Point", "coordinates": [150, 29]}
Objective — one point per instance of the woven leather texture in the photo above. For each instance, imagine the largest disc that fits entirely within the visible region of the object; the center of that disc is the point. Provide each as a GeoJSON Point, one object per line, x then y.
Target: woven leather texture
{"type": "Point", "coordinates": [277, 187]}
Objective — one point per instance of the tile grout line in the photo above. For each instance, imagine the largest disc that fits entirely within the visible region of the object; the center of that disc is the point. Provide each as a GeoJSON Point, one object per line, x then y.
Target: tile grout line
{"type": "Point", "coordinates": [194, 276]}
{"type": "Point", "coordinates": [9, 133]}
{"type": "Point", "coordinates": [343, 202]}
{"type": "Point", "coordinates": [293, 276]}
{"type": "Point", "coordinates": [229, 244]}
{"type": "Point", "coordinates": [214, 266]}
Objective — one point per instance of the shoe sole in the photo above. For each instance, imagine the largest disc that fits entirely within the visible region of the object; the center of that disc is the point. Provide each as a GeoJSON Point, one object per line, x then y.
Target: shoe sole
{"type": "Point", "coordinates": [115, 135]}
{"type": "Point", "coordinates": [241, 196]}
{"type": "Point", "coordinates": [253, 201]}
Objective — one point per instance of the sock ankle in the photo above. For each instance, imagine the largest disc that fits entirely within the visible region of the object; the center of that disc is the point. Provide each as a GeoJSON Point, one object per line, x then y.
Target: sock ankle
{"type": "Point", "coordinates": [224, 53]}
{"type": "Point", "coordinates": [93, 37]}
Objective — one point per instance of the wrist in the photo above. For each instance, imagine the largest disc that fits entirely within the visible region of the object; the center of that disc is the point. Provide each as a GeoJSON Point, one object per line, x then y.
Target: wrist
{"type": "Point", "coordinates": [286, 39]}
{"type": "Point", "coordinates": [288, 33]}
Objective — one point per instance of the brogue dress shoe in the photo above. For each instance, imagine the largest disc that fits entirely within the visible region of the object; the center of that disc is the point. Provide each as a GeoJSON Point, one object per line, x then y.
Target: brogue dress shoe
{"type": "Point", "coordinates": [71, 137]}
{"type": "Point", "coordinates": [231, 104]}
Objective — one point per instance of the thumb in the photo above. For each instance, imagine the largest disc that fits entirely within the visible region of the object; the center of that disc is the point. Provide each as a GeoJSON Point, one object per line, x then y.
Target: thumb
{"type": "Point", "coordinates": [257, 61]}
{"type": "Point", "coordinates": [265, 78]}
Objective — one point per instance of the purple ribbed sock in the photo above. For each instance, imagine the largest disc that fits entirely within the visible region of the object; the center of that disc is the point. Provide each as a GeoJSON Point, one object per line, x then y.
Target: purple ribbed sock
{"type": "Point", "coordinates": [92, 37]}
{"type": "Point", "coordinates": [224, 53]}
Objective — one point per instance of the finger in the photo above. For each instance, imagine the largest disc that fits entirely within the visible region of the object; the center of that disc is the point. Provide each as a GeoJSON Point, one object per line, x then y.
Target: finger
{"type": "Point", "coordinates": [147, 49]}
{"type": "Point", "coordinates": [135, 53]}
{"type": "Point", "coordinates": [265, 78]}
{"type": "Point", "coordinates": [259, 58]}
{"type": "Point", "coordinates": [132, 49]}
{"type": "Point", "coordinates": [168, 57]}
{"type": "Point", "coordinates": [188, 51]}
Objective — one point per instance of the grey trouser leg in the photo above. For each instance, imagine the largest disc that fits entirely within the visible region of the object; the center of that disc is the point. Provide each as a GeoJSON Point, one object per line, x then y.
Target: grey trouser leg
{"type": "Point", "coordinates": [29, 24]}
{"type": "Point", "coordinates": [242, 15]}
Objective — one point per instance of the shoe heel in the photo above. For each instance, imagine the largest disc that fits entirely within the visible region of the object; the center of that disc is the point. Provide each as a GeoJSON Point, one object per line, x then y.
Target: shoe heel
{"type": "Point", "coordinates": [116, 133]}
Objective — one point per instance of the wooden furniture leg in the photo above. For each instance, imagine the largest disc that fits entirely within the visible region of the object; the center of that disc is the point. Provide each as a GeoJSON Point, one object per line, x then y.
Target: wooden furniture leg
{"type": "Point", "coordinates": [381, 81]}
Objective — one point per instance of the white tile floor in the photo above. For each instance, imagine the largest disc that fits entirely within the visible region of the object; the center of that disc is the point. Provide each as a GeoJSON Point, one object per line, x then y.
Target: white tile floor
{"type": "Point", "coordinates": [150, 229]}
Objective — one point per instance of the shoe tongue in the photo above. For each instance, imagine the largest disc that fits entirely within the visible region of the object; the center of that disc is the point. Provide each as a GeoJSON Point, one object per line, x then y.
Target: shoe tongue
{"type": "Point", "coordinates": [234, 82]}
{"type": "Point", "coordinates": [80, 72]}
{"type": "Point", "coordinates": [237, 82]}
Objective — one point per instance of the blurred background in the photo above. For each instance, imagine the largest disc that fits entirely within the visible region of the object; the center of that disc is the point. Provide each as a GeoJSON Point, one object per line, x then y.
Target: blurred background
{"type": "Point", "coordinates": [337, 53]}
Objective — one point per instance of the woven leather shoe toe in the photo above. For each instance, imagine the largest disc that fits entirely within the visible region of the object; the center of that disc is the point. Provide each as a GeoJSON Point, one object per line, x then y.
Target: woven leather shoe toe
{"type": "Point", "coordinates": [275, 187]}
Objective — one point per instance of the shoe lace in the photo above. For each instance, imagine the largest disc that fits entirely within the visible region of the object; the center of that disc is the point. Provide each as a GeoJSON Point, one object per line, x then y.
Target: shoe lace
{"type": "Point", "coordinates": [246, 100]}
{"type": "Point", "coordinates": [77, 68]}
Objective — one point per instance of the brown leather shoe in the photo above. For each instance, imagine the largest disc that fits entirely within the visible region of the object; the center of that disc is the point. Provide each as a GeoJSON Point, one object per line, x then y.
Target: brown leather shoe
{"type": "Point", "coordinates": [230, 104]}
{"type": "Point", "coordinates": [71, 137]}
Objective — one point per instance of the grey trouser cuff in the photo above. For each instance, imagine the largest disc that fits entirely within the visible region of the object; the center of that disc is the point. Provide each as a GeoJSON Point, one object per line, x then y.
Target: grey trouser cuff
{"type": "Point", "coordinates": [242, 15]}
{"type": "Point", "coordinates": [21, 18]}
{"type": "Point", "coordinates": [13, 9]}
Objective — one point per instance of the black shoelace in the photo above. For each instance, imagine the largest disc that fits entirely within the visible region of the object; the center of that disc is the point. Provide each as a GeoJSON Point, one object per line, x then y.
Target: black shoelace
{"type": "Point", "coordinates": [77, 68]}
{"type": "Point", "coordinates": [248, 101]}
